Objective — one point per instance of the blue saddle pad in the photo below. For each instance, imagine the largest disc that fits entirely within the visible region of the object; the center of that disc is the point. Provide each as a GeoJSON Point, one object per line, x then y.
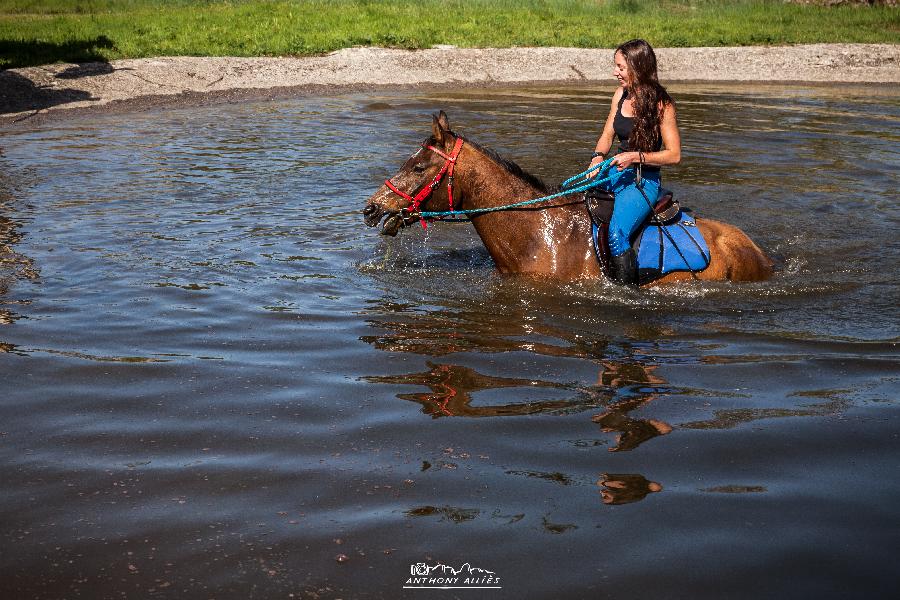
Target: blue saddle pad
{"type": "Point", "coordinates": [664, 249]}
{"type": "Point", "coordinates": [678, 246]}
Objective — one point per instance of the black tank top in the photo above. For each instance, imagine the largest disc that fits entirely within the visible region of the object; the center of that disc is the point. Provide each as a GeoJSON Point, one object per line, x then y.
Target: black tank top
{"type": "Point", "coordinates": [623, 125]}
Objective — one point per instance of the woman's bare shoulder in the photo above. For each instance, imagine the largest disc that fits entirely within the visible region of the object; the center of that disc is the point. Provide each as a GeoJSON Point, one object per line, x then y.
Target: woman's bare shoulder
{"type": "Point", "coordinates": [617, 95]}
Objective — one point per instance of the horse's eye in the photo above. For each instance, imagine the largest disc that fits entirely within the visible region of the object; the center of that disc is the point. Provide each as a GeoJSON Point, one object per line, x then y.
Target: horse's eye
{"type": "Point", "coordinates": [419, 168]}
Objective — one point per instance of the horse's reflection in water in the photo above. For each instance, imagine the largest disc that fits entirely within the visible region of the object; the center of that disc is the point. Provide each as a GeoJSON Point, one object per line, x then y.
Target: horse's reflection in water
{"type": "Point", "coordinates": [622, 386]}
{"type": "Point", "coordinates": [452, 386]}
{"type": "Point", "coordinates": [451, 390]}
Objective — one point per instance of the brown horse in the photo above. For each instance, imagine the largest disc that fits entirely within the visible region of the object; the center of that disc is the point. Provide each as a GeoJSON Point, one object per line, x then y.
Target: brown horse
{"type": "Point", "coordinates": [551, 239]}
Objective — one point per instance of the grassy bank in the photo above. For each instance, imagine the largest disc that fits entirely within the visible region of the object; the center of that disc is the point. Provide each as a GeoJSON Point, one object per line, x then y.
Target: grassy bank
{"type": "Point", "coordinates": [44, 31]}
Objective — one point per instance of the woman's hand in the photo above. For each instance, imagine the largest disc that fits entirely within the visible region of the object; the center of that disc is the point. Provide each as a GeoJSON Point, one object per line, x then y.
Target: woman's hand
{"type": "Point", "coordinates": [594, 162]}
{"type": "Point", "coordinates": [624, 160]}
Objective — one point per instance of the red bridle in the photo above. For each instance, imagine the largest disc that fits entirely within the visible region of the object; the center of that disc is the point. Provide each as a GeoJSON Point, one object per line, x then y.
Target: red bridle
{"type": "Point", "coordinates": [426, 191]}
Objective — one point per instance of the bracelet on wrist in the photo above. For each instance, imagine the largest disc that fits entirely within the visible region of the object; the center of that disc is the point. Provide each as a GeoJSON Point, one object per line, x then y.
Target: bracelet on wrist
{"type": "Point", "coordinates": [596, 154]}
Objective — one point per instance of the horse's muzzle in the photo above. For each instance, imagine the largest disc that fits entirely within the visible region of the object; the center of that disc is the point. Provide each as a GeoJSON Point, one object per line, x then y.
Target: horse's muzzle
{"type": "Point", "coordinates": [393, 221]}
{"type": "Point", "coordinates": [372, 214]}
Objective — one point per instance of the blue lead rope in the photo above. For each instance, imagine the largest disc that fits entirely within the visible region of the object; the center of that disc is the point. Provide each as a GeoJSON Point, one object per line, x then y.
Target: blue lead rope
{"type": "Point", "coordinates": [577, 183]}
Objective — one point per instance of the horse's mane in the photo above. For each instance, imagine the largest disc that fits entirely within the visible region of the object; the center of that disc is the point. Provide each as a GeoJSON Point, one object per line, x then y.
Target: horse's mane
{"type": "Point", "coordinates": [507, 164]}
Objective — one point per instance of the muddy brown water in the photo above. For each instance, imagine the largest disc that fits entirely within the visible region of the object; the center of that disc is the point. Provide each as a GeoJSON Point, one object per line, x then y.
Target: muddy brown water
{"type": "Point", "coordinates": [216, 382]}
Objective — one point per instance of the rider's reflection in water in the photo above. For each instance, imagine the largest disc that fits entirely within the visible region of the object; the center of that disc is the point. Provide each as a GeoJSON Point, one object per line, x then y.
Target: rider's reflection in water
{"type": "Point", "coordinates": [632, 432]}
{"type": "Point", "coordinates": [620, 488]}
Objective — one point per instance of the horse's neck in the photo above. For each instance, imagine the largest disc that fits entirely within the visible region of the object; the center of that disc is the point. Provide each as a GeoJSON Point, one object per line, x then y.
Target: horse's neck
{"type": "Point", "coordinates": [530, 239]}
{"type": "Point", "coordinates": [486, 184]}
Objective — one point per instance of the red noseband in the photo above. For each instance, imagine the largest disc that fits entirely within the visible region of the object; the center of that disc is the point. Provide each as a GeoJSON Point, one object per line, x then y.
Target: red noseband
{"type": "Point", "coordinates": [426, 191]}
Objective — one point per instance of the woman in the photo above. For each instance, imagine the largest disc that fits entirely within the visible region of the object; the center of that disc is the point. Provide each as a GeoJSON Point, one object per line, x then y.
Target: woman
{"type": "Point", "coordinates": [642, 116]}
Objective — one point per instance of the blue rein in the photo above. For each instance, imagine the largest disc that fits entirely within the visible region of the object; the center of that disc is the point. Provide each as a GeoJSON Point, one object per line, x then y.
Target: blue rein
{"type": "Point", "coordinates": [577, 183]}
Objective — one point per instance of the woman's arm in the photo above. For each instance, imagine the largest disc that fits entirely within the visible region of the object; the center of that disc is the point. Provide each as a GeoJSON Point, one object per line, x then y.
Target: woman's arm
{"type": "Point", "coordinates": [604, 143]}
{"type": "Point", "coordinates": [671, 139]}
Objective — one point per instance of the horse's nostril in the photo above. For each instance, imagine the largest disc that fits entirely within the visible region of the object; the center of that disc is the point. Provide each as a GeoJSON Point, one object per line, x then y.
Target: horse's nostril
{"type": "Point", "coordinates": [372, 214]}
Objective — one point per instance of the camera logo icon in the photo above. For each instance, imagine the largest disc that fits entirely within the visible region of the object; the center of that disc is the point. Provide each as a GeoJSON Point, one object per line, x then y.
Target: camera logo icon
{"type": "Point", "coordinates": [419, 569]}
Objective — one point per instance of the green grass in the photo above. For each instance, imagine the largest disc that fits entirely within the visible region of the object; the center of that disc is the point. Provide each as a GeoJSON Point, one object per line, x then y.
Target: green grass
{"type": "Point", "coordinates": [44, 31]}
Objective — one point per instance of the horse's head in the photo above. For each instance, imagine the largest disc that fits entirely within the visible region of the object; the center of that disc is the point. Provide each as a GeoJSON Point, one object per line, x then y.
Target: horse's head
{"type": "Point", "coordinates": [424, 182]}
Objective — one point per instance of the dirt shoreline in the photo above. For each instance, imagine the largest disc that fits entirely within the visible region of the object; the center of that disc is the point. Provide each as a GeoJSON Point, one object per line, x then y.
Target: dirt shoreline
{"type": "Point", "coordinates": [35, 94]}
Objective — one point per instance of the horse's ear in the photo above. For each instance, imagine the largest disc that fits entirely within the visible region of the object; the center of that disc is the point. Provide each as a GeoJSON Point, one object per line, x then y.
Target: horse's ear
{"type": "Point", "coordinates": [440, 127]}
{"type": "Point", "coordinates": [443, 121]}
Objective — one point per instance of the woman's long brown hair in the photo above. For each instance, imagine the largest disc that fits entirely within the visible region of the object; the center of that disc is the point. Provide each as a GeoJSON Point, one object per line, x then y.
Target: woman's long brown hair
{"type": "Point", "coordinates": [646, 93]}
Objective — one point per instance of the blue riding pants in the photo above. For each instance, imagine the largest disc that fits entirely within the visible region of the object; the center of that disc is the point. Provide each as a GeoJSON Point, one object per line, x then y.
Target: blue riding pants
{"type": "Point", "coordinates": [630, 208]}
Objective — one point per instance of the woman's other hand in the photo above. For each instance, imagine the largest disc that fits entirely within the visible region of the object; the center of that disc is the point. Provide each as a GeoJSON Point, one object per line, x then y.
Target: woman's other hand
{"type": "Point", "coordinates": [625, 159]}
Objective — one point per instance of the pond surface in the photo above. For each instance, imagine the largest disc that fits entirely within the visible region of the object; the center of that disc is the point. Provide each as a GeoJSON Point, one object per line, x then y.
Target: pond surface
{"type": "Point", "coordinates": [216, 382]}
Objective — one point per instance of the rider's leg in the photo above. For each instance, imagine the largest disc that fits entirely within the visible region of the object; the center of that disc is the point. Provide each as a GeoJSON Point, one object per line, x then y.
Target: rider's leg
{"type": "Point", "coordinates": [631, 209]}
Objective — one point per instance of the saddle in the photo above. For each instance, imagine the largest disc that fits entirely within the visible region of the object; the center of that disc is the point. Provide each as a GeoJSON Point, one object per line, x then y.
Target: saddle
{"type": "Point", "coordinates": [674, 243]}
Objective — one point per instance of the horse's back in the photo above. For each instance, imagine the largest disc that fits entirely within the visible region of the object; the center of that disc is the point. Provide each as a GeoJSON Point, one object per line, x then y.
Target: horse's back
{"type": "Point", "coordinates": [733, 256]}
{"type": "Point", "coordinates": [739, 257]}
